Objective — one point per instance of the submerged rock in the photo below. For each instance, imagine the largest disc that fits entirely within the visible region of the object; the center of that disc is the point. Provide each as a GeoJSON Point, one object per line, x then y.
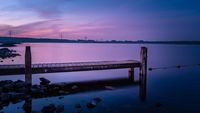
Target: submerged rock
{"type": "Point", "coordinates": [59, 108]}
{"type": "Point", "coordinates": [78, 106]}
{"type": "Point", "coordinates": [8, 87]}
{"type": "Point", "coordinates": [4, 97]}
{"type": "Point", "coordinates": [7, 53]}
{"type": "Point", "coordinates": [97, 99]}
{"type": "Point", "coordinates": [49, 109]}
{"type": "Point", "coordinates": [60, 98]}
{"type": "Point", "coordinates": [44, 81]}
{"type": "Point", "coordinates": [93, 103]}
{"type": "Point", "coordinates": [158, 104]}
{"type": "Point", "coordinates": [27, 106]}
{"type": "Point", "coordinates": [109, 87]}
{"type": "Point", "coordinates": [74, 87]}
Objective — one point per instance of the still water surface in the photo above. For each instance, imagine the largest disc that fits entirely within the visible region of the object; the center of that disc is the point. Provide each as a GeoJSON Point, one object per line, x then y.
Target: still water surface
{"type": "Point", "coordinates": [176, 89]}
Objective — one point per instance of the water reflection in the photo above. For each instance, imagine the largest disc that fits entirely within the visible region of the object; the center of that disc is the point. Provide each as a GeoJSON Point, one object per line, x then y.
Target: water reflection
{"type": "Point", "coordinates": [175, 89]}
{"type": "Point", "coordinates": [95, 86]}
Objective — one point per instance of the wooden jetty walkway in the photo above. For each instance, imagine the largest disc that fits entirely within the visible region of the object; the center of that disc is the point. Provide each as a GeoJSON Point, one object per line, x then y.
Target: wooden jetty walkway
{"type": "Point", "coordinates": [68, 67]}
{"type": "Point", "coordinates": [28, 68]}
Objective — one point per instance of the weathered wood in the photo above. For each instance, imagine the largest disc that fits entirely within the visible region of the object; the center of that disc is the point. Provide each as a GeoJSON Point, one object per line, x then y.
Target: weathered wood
{"type": "Point", "coordinates": [28, 65]}
{"type": "Point", "coordinates": [143, 73]}
{"type": "Point", "coordinates": [131, 74]}
{"type": "Point", "coordinates": [69, 67]}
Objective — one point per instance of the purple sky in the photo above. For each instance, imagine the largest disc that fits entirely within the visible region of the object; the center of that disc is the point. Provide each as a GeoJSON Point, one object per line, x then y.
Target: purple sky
{"type": "Point", "coordinates": [102, 19]}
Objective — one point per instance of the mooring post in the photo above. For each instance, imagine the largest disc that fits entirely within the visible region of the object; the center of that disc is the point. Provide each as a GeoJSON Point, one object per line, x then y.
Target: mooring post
{"type": "Point", "coordinates": [28, 62]}
{"type": "Point", "coordinates": [143, 73]}
{"type": "Point", "coordinates": [131, 74]}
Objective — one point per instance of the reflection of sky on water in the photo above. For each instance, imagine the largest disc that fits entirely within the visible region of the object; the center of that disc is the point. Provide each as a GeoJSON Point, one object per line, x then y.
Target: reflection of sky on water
{"type": "Point", "coordinates": [176, 89]}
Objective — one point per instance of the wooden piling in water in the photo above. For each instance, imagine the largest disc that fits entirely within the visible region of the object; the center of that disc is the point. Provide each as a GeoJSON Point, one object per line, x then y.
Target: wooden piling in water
{"type": "Point", "coordinates": [131, 74]}
{"type": "Point", "coordinates": [143, 73]}
{"type": "Point", "coordinates": [28, 63]}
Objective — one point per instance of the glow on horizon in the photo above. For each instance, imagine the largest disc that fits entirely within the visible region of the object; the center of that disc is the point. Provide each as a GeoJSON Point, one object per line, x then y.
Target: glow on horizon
{"type": "Point", "coordinates": [102, 19]}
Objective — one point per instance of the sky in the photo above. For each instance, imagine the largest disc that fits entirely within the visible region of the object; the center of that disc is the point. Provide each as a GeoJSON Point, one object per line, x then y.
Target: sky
{"type": "Point", "coordinates": [101, 19]}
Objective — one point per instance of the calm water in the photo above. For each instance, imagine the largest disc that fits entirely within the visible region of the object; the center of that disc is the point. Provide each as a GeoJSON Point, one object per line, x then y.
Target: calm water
{"type": "Point", "coordinates": [176, 89]}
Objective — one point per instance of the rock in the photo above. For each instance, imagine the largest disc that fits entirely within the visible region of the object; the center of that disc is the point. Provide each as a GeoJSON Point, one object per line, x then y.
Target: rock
{"type": "Point", "coordinates": [150, 69]}
{"type": "Point", "coordinates": [56, 89]}
{"type": "Point", "coordinates": [44, 81]}
{"type": "Point", "coordinates": [1, 105]}
{"type": "Point", "coordinates": [8, 87]}
{"type": "Point", "coordinates": [74, 87]}
{"type": "Point", "coordinates": [78, 111]}
{"type": "Point", "coordinates": [4, 97]}
{"type": "Point", "coordinates": [37, 92]}
{"type": "Point", "coordinates": [109, 87]}
{"type": "Point", "coordinates": [22, 90]}
{"type": "Point", "coordinates": [16, 97]}
{"type": "Point", "coordinates": [91, 104]}
{"type": "Point", "coordinates": [49, 109]}
{"type": "Point", "coordinates": [6, 82]}
{"type": "Point", "coordinates": [61, 92]}
{"type": "Point", "coordinates": [59, 108]}
{"type": "Point", "coordinates": [27, 106]}
{"type": "Point", "coordinates": [36, 112]}
{"type": "Point", "coordinates": [60, 97]}
{"type": "Point", "coordinates": [158, 104]}
{"type": "Point", "coordinates": [97, 99]}
{"type": "Point", "coordinates": [78, 106]}
{"type": "Point", "coordinates": [1, 90]}
{"type": "Point", "coordinates": [20, 83]}
{"type": "Point", "coordinates": [7, 53]}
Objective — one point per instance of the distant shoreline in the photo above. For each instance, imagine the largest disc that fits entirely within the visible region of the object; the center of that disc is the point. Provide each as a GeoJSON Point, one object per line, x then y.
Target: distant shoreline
{"type": "Point", "coordinates": [13, 40]}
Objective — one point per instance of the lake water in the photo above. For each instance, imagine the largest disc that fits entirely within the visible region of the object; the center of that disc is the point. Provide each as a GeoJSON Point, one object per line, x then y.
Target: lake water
{"type": "Point", "coordinates": [176, 89]}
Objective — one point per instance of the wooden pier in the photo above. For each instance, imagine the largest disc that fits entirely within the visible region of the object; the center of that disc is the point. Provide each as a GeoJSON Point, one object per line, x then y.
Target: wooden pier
{"type": "Point", "coordinates": [28, 68]}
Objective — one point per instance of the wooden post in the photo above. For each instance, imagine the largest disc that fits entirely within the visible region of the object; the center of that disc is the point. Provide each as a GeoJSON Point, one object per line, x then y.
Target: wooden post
{"type": "Point", "coordinates": [131, 74]}
{"type": "Point", "coordinates": [28, 62]}
{"type": "Point", "coordinates": [143, 73]}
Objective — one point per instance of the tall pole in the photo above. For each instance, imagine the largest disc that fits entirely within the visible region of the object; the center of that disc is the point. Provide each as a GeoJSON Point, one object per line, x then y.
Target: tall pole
{"type": "Point", "coordinates": [143, 73]}
{"type": "Point", "coordinates": [28, 63]}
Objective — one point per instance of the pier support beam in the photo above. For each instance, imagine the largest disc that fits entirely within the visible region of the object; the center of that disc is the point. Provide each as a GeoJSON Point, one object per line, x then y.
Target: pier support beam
{"type": "Point", "coordinates": [28, 62]}
{"type": "Point", "coordinates": [131, 74]}
{"type": "Point", "coordinates": [143, 73]}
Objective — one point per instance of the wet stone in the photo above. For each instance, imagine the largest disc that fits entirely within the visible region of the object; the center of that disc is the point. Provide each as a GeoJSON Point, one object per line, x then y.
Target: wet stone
{"type": "Point", "coordinates": [59, 108]}
{"type": "Point", "coordinates": [93, 103]}
{"type": "Point", "coordinates": [109, 87]}
{"type": "Point", "coordinates": [61, 92]}
{"type": "Point", "coordinates": [27, 106]}
{"type": "Point", "coordinates": [49, 109]}
{"type": "Point", "coordinates": [60, 97]}
{"type": "Point", "coordinates": [44, 81]}
{"type": "Point", "coordinates": [8, 87]}
{"type": "Point", "coordinates": [4, 97]}
{"type": "Point", "coordinates": [74, 87]}
{"type": "Point", "coordinates": [97, 99]}
{"type": "Point", "coordinates": [158, 104]}
{"type": "Point", "coordinates": [77, 106]}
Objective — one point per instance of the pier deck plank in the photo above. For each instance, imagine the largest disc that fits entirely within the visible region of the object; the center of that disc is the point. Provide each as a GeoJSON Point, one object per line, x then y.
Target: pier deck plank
{"type": "Point", "coordinates": [68, 67]}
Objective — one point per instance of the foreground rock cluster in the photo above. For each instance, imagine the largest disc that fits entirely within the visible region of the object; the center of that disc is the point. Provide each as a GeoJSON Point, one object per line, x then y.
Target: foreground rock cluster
{"type": "Point", "coordinates": [8, 53]}
{"type": "Point", "coordinates": [17, 91]}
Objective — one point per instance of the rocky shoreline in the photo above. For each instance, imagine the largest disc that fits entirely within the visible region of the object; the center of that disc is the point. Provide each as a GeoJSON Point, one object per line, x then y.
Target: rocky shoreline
{"type": "Point", "coordinates": [18, 91]}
